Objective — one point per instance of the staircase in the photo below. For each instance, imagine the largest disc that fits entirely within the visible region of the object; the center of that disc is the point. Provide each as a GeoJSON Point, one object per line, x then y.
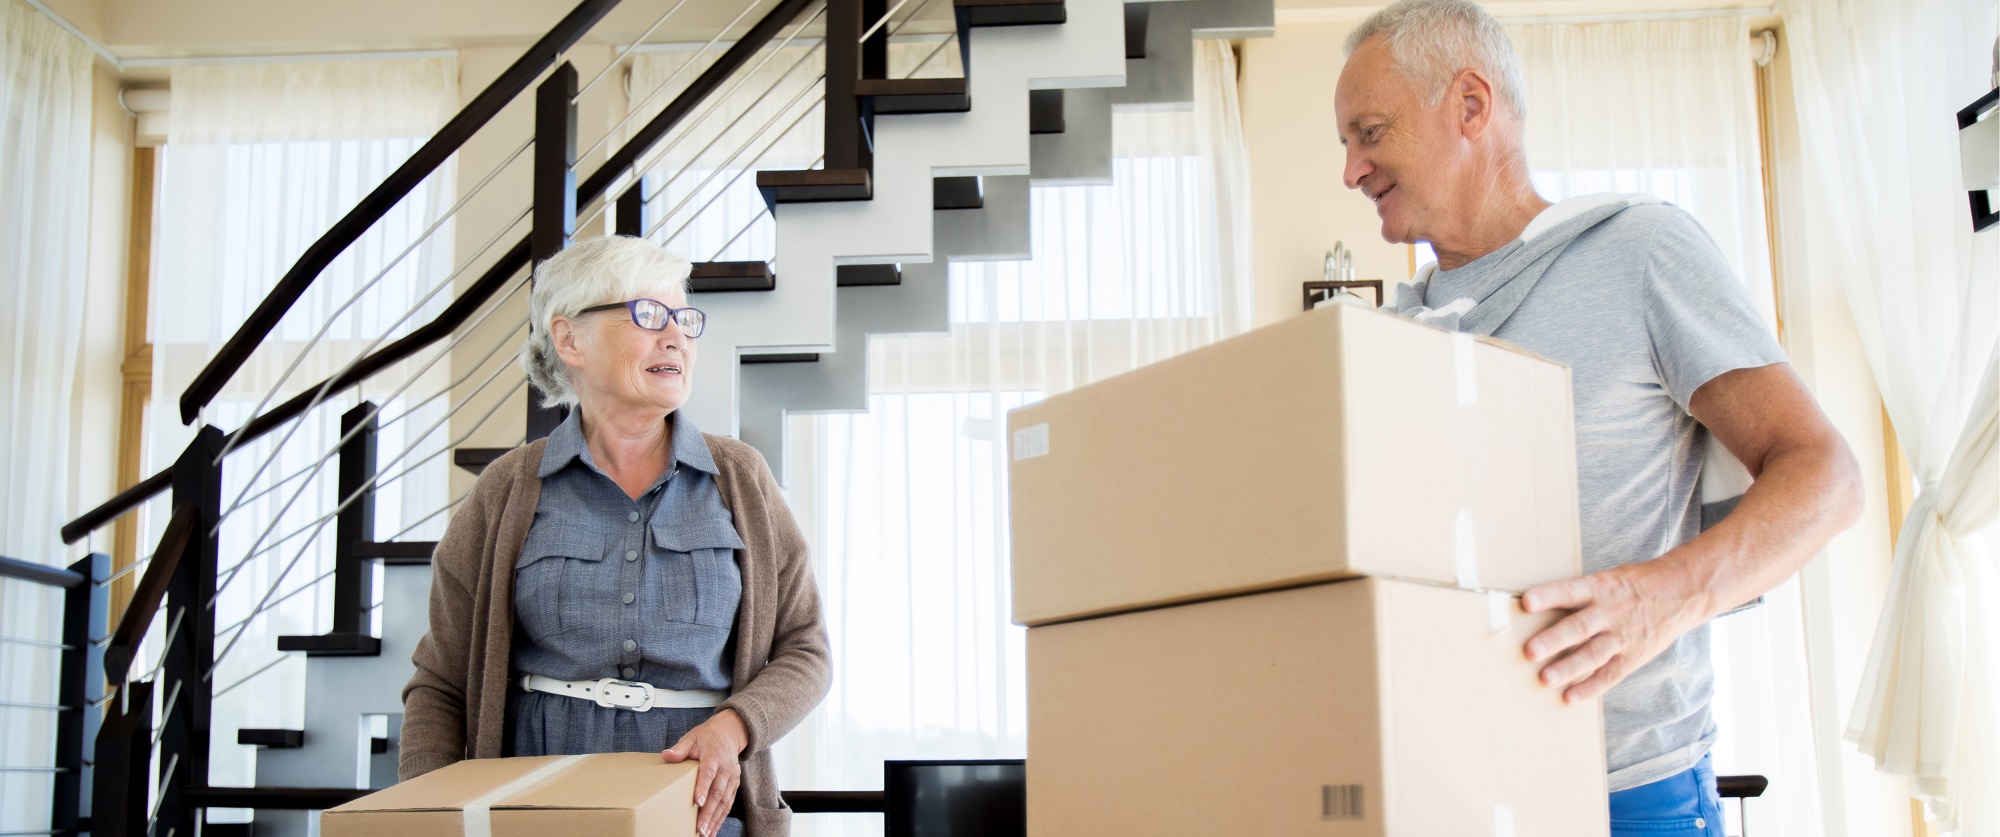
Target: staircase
{"type": "Point", "coordinates": [918, 173]}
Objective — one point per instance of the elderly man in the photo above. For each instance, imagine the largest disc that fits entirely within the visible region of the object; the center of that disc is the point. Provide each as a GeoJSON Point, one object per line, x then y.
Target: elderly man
{"type": "Point", "coordinates": [1661, 340]}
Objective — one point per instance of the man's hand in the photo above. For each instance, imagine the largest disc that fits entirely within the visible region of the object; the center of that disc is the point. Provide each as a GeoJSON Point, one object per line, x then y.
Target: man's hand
{"type": "Point", "coordinates": [1624, 617]}
{"type": "Point", "coordinates": [718, 744]}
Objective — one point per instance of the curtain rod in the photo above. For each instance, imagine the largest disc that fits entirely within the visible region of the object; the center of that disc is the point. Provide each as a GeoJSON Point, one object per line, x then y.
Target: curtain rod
{"type": "Point", "coordinates": [295, 58]}
{"type": "Point", "coordinates": [102, 52]}
{"type": "Point", "coordinates": [1621, 17]}
{"type": "Point", "coordinates": [1356, 14]}
{"type": "Point", "coordinates": [123, 64]}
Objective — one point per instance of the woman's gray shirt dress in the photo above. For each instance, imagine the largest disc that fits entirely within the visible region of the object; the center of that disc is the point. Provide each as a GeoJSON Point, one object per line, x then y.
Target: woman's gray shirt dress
{"type": "Point", "coordinates": [639, 590]}
{"type": "Point", "coordinates": [649, 590]}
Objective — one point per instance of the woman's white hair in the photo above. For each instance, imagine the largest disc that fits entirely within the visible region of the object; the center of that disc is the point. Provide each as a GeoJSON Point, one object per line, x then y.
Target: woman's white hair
{"type": "Point", "coordinates": [1432, 40]}
{"type": "Point", "coordinates": [613, 268]}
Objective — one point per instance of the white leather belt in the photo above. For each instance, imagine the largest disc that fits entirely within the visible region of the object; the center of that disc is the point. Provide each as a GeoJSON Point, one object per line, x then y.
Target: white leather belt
{"type": "Point", "coordinates": [624, 694]}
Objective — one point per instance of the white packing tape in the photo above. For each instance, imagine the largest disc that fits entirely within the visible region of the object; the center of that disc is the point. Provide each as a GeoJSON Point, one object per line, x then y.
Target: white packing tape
{"type": "Point", "coordinates": [1031, 441]}
{"type": "Point", "coordinates": [1465, 367]}
{"type": "Point", "coordinates": [1503, 821]}
{"type": "Point", "coordinates": [479, 812]}
{"type": "Point", "coordinates": [1465, 549]}
{"type": "Point", "coordinates": [1499, 611]}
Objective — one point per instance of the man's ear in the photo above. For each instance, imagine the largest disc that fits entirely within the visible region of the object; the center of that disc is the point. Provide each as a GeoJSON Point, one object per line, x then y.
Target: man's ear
{"type": "Point", "coordinates": [1474, 93]}
{"type": "Point", "coordinates": [565, 335]}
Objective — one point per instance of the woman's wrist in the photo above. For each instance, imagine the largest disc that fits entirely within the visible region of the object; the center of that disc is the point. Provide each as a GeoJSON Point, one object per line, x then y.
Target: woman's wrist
{"type": "Point", "coordinates": [730, 725]}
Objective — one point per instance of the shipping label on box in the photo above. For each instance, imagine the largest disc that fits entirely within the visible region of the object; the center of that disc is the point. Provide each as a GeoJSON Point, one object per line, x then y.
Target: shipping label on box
{"type": "Point", "coordinates": [603, 795]}
{"type": "Point", "coordinates": [1338, 443]}
{"type": "Point", "coordinates": [1359, 708]}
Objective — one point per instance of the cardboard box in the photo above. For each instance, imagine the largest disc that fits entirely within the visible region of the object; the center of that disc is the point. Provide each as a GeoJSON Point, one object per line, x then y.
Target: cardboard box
{"type": "Point", "coordinates": [1363, 707]}
{"type": "Point", "coordinates": [604, 795]}
{"type": "Point", "coordinates": [1338, 443]}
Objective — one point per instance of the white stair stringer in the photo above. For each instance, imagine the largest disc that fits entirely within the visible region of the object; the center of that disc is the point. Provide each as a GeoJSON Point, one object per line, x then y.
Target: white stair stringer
{"type": "Point", "coordinates": [1163, 79]}
{"type": "Point", "coordinates": [838, 382]}
{"type": "Point", "coordinates": [339, 691]}
{"type": "Point", "coordinates": [895, 226]}
{"type": "Point", "coordinates": [1081, 153]}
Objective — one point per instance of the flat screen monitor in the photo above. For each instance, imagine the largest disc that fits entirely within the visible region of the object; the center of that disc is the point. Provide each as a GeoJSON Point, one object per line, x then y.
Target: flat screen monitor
{"type": "Point", "coordinates": [986, 798]}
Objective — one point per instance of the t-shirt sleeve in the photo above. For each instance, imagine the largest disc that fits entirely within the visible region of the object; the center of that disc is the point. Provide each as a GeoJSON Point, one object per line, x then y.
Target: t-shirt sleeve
{"type": "Point", "coordinates": [1698, 315]}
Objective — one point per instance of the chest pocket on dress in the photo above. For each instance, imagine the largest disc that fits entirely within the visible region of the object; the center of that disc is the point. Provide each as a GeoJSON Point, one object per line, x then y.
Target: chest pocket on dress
{"type": "Point", "coordinates": [703, 584]}
{"type": "Point", "coordinates": [551, 578]}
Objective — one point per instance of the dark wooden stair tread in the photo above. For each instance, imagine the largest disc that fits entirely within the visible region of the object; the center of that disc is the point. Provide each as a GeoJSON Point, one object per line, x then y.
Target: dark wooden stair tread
{"type": "Point", "coordinates": [476, 459]}
{"type": "Point", "coordinates": [277, 739]}
{"type": "Point", "coordinates": [957, 193]}
{"type": "Point", "coordinates": [1010, 12]}
{"type": "Point", "coordinates": [1136, 17]}
{"type": "Point", "coordinates": [717, 277]}
{"type": "Point", "coordinates": [397, 552]}
{"type": "Point", "coordinates": [814, 186]}
{"type": "Point", "coordinates": [1045, 112]}
{"type": "Point", "coordinates": [915, 95]}
{"type": "Point", "coordinates": [867, 275]}
{"type": "Point", "coordinates": [332, 645]}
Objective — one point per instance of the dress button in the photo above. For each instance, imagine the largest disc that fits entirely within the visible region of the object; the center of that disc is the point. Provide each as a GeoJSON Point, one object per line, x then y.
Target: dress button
{"type": "Point", "coordinates": [634, 517]}
{"type": "Point", "coordinates": [631, 646]}
{"type": "Point", "coordinates": [631, 673]}
{"type": "Point", "coordinates": [628, 598]}
{"type": "Point", "coordinates": [631, 555]}
{"type": "Point", "coordinates": [1698, 821]}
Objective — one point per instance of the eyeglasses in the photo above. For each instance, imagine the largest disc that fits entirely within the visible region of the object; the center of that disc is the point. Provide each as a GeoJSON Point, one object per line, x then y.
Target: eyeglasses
{"type": "Point", "coordinates": [653, 315]}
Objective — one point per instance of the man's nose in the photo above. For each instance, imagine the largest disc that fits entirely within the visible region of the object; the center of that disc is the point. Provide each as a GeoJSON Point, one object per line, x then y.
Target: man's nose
{"type": "Point", "coordinates": [1357, 167]}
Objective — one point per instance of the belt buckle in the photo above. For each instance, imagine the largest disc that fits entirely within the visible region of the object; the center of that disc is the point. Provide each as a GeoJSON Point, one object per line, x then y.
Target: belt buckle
{"type": "Point", "coordinates": [604, 698]}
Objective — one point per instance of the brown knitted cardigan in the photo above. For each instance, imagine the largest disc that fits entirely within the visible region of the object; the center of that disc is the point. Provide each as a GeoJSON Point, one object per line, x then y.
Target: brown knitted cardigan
{"type": "Point", "coordinates": [455, 707]}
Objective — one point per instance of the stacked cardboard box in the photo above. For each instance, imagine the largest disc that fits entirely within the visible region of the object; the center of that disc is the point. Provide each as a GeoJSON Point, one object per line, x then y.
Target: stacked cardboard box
{"type": "Point", "coordinates": [1268, 589]}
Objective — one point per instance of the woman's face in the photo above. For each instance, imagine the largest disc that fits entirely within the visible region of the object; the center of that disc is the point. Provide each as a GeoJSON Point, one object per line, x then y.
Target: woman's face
{"type": "Point", "coordinates": [617, 365]}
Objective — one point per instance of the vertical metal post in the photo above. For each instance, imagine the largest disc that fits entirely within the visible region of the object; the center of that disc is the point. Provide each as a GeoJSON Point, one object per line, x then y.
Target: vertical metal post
{"type": "Point", "coordinates": [120, 779]}
{"type": "Point", "coordinates": [86, 614]}
{"type": "Point", "coordinates": [184, 677]}
{"type": "Point", "coordinates": [353, 578]}
{"type": "Point", "coordinates": [632, 217]}
{"type": "Point", "coordinates": [555, 198]}
{"type": "Point", "coordinates": [847, 128]}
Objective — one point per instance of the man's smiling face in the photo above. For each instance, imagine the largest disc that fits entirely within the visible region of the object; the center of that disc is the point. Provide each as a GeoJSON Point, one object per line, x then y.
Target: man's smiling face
{"type": "Point", "coordinates": [1401, 153]}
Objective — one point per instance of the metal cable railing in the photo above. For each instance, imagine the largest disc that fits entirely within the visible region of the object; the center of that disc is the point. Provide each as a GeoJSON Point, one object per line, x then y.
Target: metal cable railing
{"type": "Point", "coordinates": [664, 150]}
{"type": "Point", "coordinates": [326, 388]}
{"type": "Point", "coordinates": [622, 54]}
{"type": "Point", "coordinates": [714, 103]}
{"type": "Point", "coordinates": [358, 493]}
{"type": "Point", "coordinates": [334, 316]}
{"type": "Point", "coordinates": [665, 216]}
{"type": "Point", "coordinates": [464, 333]}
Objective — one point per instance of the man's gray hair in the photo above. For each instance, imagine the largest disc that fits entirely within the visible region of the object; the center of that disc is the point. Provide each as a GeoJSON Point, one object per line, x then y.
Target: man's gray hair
{"type": "Point", "coordinates": [613, 268]}
{"type": "Point", "coordinates": [1432, 40]}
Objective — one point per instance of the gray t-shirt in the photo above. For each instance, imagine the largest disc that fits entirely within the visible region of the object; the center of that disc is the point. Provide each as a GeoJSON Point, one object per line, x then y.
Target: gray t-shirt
{"type": "Point", "coordinates": [1644, 310]}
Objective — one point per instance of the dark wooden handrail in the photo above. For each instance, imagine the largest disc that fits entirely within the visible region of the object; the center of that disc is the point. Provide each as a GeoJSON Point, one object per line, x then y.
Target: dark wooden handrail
{"type": "Point", "coordinates": [542, 55]}
{"type": "Point", "coordinates": [147, 596]}
{"type": "Point", "coordinates": [454, 315]}
{"type": "Point", "coordinates": [461, 309]}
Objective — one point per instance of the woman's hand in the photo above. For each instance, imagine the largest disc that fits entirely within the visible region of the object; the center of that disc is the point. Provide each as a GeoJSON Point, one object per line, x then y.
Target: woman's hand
{"type": "Point", "coordinates": [718, 745]}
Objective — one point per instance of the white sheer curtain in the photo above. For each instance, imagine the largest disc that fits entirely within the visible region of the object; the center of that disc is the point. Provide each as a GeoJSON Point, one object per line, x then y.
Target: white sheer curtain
{"type": "Point", "coordinates": [44, 189]}
{"type": "Point", "coordinates": [1877, 82]}
{"type": "Point", "coordinates": [1669, 108]}
{"type": "Point", "coordinates": [906, 504]}
{"type": "Point", "coordinates": [261, 160]}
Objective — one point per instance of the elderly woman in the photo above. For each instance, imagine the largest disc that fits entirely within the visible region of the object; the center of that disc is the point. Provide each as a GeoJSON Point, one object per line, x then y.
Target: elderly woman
{"type": "Point", "coordinates": [628, 583]}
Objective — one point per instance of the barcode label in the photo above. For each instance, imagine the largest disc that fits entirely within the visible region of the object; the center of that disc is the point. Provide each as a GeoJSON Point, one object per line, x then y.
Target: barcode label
{"type": "Point", "coordinates": [1340, 802]}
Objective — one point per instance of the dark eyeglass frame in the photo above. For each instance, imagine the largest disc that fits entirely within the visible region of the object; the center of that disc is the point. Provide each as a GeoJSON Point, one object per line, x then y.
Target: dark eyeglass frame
{"type": "Point", "coordinates": [631, 307]}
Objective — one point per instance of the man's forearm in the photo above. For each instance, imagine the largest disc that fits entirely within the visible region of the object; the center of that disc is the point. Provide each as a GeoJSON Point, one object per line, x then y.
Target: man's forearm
{"type": "Point", "coordinates": [1802, 497]}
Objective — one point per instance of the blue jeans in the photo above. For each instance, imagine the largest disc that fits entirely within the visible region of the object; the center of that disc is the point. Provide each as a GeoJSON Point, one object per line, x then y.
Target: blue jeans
{"type": "Point", "coordinates": [1682, 805]}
